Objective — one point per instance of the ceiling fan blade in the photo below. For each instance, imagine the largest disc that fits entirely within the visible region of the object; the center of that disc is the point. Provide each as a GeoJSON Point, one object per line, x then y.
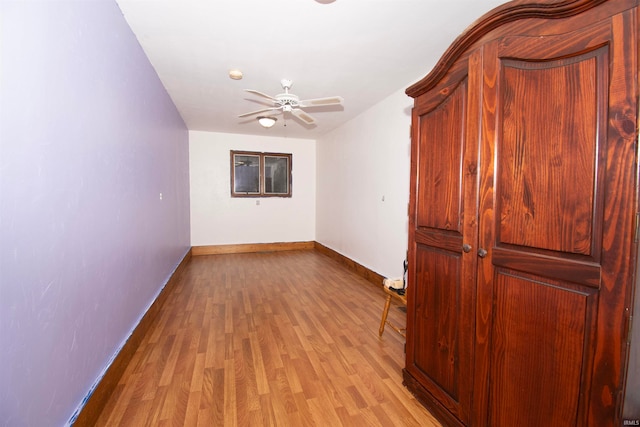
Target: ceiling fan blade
{"type": "Point", "coordinates": [319, 102]}
{"type": "Point", "coordinates": [264, 110]}
{"type": "Point", "coordinates": [303, 116]}
{"type": "Point", "coordinates": [264, 95]}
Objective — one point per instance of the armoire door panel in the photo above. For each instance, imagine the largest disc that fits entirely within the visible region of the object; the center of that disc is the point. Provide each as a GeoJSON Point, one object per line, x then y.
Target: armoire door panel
{"type": "Point", "coordinates": [439, 170]}
{"type": "Point", "coordinates": [560, 177]}
{"type": "Point", "coordinates": [440, 301]}
{"type": "Point", "coordinates": [435, 352]}
{"type": "Point", "coordinates": [549, 153]}
{"type": "Point", "coordinates": [540, 351]}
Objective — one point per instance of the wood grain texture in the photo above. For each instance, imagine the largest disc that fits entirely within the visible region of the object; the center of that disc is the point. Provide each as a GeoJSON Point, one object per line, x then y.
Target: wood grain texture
{"type": "Point", "coordinates": [437, 333]}
{"type": "Point", "coordinates": [439, 198]}
{"type": "Point", "coordinates": [280, 338]}
{"type": "Point", "coordinates": [554, 178]}
{"type": "Point", "coordinates": [619, 228]}
{"type": "Point", "coordinates": [536, 370]}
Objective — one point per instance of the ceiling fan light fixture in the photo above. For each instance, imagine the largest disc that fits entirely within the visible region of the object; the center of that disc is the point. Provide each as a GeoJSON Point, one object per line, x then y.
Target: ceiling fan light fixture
{"type": "Point", "coordinates": [235, 74]}
{"type": "Point", "coordinates": [266, 121]}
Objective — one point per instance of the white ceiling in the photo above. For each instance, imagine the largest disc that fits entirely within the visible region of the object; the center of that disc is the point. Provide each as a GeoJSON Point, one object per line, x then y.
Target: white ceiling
{"type": "Point", "coordinates": [362, 50]}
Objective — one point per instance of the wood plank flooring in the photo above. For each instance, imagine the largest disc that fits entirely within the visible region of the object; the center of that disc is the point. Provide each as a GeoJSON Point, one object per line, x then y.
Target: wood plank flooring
{"type": "Point", "coordinates": [268, 339]}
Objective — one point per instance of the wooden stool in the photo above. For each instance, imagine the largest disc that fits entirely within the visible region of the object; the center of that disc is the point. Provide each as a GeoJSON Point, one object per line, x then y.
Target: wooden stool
{"type": "Point", "coordinates": [385, 312]}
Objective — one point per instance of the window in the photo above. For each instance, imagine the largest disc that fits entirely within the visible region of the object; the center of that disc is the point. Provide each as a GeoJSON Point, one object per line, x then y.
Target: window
{"type": "Point", "coordinates": [260, 174]}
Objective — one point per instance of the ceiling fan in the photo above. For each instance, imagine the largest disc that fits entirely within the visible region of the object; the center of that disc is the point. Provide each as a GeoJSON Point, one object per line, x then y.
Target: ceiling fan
{"type": "Point", "coordinates": [288, 102]}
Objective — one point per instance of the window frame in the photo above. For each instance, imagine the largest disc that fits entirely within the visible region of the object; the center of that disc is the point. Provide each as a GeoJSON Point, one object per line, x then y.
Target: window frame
{"type": "Point", "coordinates": [262, 178]}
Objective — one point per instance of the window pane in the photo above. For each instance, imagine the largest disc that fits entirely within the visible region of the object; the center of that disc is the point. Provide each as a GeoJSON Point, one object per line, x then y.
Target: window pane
{"type": "Point", "coordinates": [276, 175]}
{"type": "Point", "coordinates": [260, 174]}
{"type": "Point", "coordinates": [246, 174]}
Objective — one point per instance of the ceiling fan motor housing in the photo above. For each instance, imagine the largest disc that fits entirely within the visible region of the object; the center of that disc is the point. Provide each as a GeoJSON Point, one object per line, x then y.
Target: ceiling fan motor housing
{"type": "Point", "coordinates": [287, 100]}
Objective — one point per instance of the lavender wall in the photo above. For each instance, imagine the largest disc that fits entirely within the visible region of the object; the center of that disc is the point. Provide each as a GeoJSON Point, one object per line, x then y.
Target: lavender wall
{"type": "Point", "coordinates": [89, 139]}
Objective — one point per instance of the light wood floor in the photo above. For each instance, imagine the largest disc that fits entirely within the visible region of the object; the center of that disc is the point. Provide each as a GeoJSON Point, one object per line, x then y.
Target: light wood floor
{"type": "Point", "coordinates": [281, 338]}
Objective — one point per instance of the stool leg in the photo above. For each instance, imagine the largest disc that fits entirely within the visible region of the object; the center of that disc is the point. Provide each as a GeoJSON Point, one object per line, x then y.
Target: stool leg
{"type": "Point", "coordinates": [385, 312]}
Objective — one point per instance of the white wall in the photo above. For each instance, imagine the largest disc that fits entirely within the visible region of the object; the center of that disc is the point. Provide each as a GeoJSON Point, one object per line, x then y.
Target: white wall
{"type": "Point", "coordinates": [339, 183]}
{"type": "Point", "coordinates": [360, 164]}
{"type": "Point", "coordinates": [218, 219]}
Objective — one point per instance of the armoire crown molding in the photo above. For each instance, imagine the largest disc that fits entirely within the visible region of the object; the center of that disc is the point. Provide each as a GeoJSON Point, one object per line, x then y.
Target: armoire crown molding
{"type": "Point", "coordinates": [501, 15]}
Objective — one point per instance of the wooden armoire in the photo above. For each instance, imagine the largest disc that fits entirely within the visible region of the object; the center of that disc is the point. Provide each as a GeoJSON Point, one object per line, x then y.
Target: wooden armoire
{"type": "Point", "coordinates": [523, 218]}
